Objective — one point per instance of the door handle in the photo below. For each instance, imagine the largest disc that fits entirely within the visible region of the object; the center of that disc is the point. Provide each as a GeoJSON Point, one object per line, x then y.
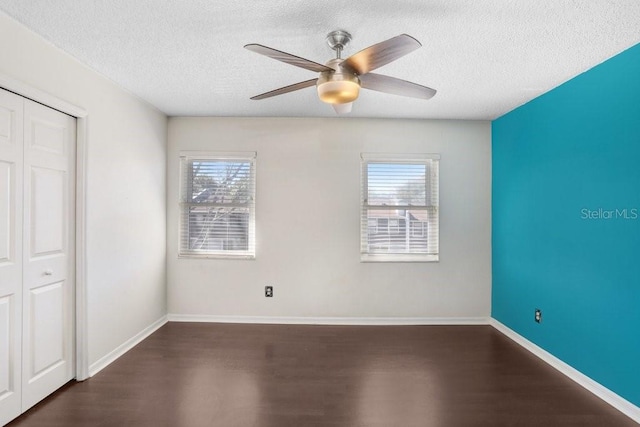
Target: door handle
{"type": "Point", "coordinates": [48, 272]}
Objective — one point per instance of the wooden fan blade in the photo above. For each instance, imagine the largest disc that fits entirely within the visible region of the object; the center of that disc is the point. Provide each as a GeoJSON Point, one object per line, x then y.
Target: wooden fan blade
{"type": "Point", "coordinates": [287, 58]}
{"type": "Point", "coordinates": [286, 89]}
{"type": "Point", "coordinates": [380, 54]}
{"type": "Point", "coordinates": [395, 86]}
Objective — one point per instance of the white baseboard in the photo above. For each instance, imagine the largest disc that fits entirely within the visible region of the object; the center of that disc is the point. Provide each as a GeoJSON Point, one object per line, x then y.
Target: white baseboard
{"type": "Point", "coordinates": [109, 358]}
{"type": "Point", "coordinates": [621, 404]}
{"type": "Point", "coordinates": [330, 320]}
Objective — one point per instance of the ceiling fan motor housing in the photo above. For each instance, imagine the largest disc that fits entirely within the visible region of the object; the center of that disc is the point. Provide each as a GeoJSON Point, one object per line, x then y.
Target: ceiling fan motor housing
{"type": "Point", "coordinates": [337, 40]}
{"type": "Point", "coordinates": [338, 87]}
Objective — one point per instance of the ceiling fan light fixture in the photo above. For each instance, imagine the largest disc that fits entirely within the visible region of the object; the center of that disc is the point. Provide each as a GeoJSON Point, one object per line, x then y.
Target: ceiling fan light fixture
{"type": "Point", "coordinates": [338, 92]}
{"type": "Point", "coordinates": [338, 88]}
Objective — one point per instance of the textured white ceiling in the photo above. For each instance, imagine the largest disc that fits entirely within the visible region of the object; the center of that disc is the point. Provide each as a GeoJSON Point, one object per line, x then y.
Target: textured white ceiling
{"type": "Point", "coordinates": [186, 57]}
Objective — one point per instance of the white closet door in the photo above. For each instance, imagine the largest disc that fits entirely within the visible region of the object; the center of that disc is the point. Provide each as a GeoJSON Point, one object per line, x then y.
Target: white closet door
{"type": "Point", "coordinates": [48, 252]}
{"type": "Point", "coordinates": [11, 107]}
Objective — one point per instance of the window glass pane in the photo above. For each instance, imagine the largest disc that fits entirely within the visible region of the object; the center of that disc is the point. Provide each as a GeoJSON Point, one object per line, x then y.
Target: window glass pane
{"type": "Point", "coordinates": [396, 184]}
{"type": "Point", "coordinates": [394, 237]}
{"type": "Point", "coordinates": [218, 229]}
{"type": "Point", "coordinates": [220, 181]}
{"type": "Point", "coordinates": [373, 225]}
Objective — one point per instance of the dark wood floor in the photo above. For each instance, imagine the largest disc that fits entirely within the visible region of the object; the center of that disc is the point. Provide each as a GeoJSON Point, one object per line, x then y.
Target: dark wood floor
{"type": "Point", "coordinates": [198, 374]}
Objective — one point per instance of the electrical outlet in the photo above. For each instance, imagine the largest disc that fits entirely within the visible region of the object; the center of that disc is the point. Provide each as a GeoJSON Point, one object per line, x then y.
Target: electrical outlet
{"type": "Point", "coordinates": [538, 315]}
{"type": "Point", "coordinates": [268, 291]}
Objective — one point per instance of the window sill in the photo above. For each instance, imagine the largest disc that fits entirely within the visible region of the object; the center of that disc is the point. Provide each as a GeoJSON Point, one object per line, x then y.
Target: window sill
{"type": "Point", "coordinates": [217, 256]}
{"type": "Point", "coordinates": [398, 258]}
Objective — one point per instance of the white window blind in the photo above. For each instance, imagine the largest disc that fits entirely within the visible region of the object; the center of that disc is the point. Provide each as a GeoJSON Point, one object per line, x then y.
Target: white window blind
{"type": "Point", "coordinates": [399, 207]}
{"type": "Point", "coordinates": [217, 199]}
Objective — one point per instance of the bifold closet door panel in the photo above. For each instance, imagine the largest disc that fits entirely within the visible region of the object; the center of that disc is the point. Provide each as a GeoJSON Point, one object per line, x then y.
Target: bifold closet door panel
{"type": "Point", "coordinates": [11, 213]}
{"type": "Point", "coordinates": [48, 252]}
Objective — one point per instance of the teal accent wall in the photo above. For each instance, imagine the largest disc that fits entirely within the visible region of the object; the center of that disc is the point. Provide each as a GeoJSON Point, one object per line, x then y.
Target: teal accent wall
{"type": "Point", "coordinates": [566, 222]}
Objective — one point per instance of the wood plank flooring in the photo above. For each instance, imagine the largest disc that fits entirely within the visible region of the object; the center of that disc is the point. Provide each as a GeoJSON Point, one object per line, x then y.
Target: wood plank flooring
{"type": "Point", "coordinates": [203, 374]}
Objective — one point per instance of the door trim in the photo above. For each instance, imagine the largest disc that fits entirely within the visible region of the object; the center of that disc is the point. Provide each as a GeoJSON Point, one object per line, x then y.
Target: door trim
{"type": "Point", "coordinates": [82, 116]}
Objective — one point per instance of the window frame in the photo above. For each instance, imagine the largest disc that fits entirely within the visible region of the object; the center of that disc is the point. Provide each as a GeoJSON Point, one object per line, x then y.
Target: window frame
{"type": "Point", "coordinates": [186, 159]}
{"type": "Point", "coordinates": [432, 181]}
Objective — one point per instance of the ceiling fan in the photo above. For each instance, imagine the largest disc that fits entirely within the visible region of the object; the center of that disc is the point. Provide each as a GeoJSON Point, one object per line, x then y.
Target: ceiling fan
{"type": "Point", "coordinates": [340, 79]}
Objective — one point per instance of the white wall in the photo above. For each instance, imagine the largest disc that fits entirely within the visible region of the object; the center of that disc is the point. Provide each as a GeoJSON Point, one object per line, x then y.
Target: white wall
{"type": "Point", "coordinates": [125, 184]}
{"type": "Point", "coordinates": [307, 216]}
